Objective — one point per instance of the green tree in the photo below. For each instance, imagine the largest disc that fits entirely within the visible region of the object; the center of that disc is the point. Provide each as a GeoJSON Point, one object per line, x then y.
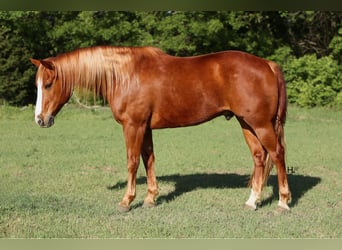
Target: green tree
{"type": "Point", "coordinates": [309, 32]}
{"type": "Point", "coordinates": [303, 42]}
{"type": "Point", "coordinates": [16, 76]}
{"type": "Point", "coordinates": [336, 45]}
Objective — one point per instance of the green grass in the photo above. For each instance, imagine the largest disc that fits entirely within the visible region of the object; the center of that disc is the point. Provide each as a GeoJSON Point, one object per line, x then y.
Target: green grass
{"type": "Point", "coordinates": [66, 181]}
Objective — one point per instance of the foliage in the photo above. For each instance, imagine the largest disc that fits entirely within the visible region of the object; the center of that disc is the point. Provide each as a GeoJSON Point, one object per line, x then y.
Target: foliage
{"type": "Point", "coordinates": [311, 81]}
{"type": "Point", "coordinates": [15, 69]}
{"type": "Point", "coordinates": [309, 32]}
{"type": "Point", "coordinates": [313, 37]}
{"type": "Point", "coordinates": [336, 46]}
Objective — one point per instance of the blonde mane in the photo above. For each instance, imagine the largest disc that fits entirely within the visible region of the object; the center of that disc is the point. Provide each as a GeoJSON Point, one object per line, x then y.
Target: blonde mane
{"type": "Point", "coordinates": [100, 69]}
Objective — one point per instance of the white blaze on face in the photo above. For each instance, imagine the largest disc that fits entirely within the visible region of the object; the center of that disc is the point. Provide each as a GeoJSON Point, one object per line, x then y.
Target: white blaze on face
{"type": "Point", "coordinates": [39, 102]}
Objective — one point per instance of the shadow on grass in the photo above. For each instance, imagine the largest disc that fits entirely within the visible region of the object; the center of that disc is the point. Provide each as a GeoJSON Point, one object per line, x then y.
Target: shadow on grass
{"type": "Point", "coordinates": [299, 185]}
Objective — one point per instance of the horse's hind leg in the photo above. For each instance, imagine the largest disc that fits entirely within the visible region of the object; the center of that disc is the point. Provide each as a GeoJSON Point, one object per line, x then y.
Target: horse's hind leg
{"type": "Point", "coordinates": [259, 156]}
{"type": "Point", "coordinates": [268, 138]}
{"type": "Point", "coordinates": [148, 159]}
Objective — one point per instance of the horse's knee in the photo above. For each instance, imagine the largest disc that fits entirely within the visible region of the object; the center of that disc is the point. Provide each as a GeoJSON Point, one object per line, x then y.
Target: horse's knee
{"type": "Point", "coordinates": [259, 158]}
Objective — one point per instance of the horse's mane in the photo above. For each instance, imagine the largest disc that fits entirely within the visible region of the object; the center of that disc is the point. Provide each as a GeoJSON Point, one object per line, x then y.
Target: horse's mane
{"type": "Point", "coordinates": [100, 69]}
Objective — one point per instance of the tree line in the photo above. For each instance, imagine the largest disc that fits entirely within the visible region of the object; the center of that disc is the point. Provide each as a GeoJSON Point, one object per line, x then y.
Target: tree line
{"type": "Point", "coordinates": [307, 44]}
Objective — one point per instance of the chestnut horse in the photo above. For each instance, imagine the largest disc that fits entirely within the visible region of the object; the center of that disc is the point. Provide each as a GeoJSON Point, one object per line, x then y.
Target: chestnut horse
{"type": "Point", "coordinates": [148, 89]}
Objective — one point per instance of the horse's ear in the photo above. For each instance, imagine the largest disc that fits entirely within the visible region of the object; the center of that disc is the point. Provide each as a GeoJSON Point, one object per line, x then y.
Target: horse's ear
{"type": "Point", "coordinates": [47, 64]}
{"type": "Point", "coordinates": [35, 62]}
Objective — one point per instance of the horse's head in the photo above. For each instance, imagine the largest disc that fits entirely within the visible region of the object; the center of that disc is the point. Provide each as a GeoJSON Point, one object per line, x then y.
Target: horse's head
{"type": "Point", "coordinates": [50, 96]}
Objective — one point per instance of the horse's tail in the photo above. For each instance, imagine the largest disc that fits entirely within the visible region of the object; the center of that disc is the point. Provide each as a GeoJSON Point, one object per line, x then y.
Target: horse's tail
{"type": "Point", "coordinates": [279, 119]}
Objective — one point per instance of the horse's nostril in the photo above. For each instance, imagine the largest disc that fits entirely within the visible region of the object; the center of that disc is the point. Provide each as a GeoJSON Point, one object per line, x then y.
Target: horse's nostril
{"type": "Point", "coordinates": [40, 122]}
{"type": "Point", "coordinates": [51, 121]}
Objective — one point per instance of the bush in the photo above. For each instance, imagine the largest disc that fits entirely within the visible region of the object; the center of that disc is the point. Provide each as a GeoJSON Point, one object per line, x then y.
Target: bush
{"type": "Point", "coordinates": [311, 81]}
{"type": "Point", "coordinates": [338, 101]}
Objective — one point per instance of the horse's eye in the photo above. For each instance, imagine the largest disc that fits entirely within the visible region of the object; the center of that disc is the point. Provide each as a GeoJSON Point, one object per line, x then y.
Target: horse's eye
{"type": "Point", "coordinates": [48, 85]}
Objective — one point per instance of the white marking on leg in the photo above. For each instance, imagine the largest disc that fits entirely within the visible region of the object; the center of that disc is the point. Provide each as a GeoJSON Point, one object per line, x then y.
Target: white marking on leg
{"type": "Point", "coordinates": [253, 198]}
{"type": "Point", "coordinates": [39, 102]}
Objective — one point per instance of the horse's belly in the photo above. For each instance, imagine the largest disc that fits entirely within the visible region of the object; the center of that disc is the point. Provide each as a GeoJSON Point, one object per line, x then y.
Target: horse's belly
{"type": "Point", "coordinates": [188, 117]}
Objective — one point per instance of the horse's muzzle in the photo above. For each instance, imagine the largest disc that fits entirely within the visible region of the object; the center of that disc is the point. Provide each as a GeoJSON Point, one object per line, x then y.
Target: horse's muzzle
{"type": "Point", "coordinates": [48, 122]}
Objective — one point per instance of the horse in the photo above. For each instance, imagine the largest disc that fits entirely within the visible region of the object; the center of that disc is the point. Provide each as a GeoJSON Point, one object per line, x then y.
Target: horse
{"type": "Point", "coordinates": [148, 89]}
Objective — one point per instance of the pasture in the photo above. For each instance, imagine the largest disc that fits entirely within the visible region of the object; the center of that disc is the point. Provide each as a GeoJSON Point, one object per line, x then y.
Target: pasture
{"type": "Point", "coordinates": [66, 181]}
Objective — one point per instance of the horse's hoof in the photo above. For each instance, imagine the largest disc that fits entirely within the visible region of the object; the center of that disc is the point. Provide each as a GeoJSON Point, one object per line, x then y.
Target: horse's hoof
{"type": "Point", "coordinates": [250, 207]}
{"type": "Point", "coordinates": [282, 206]}
{"type": "Point", "coordinates": [282, 210]}
{"type": "Point", "coordinates": [148, 204]}
{"type": "Point", "coordinates": [123, 208]}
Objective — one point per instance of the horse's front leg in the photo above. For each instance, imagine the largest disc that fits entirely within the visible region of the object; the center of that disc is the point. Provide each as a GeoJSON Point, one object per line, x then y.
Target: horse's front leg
{"type": "Point", "coordinates": [134, 135]}
{"type": "Point", "coordinates": [148, 158]}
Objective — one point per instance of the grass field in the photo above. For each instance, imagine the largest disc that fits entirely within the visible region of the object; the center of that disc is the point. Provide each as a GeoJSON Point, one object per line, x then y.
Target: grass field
{"type": "Point", "coordinates": [66, 181]}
